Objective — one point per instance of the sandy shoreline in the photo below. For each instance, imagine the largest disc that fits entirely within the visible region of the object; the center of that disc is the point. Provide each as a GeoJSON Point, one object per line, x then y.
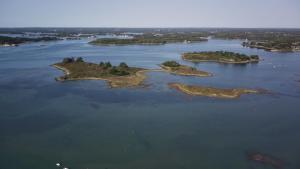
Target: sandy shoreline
{"type": "Point", "coordinates": [211, 92]}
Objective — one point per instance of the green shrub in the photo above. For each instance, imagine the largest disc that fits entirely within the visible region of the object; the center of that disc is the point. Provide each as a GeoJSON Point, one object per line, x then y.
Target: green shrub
{"type": "Point", "coordinates": [68, 60]}
{"type": "Point", "coordinates": [101, 64]}
{"type": "Point", "coordinates": [123, 65]}
{"type": "Point", "coordinates": [254, 57]}
{"type": "Point", "coordinates": [171, 64]}
{"type": "Point", "coordinates": [79, 59]}
{"type": "Point", "coordinates": [115, 71]}
{"type": "Point", "coordinates": [107, 65]}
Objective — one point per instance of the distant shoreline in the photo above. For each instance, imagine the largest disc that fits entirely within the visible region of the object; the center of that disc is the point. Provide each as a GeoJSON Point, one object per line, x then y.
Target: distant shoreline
{"type": "Point", "coordinates": [272, 49]}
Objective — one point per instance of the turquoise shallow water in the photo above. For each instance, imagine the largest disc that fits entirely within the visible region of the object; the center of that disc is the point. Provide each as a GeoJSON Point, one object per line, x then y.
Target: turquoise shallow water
{"type": "Point", "coordinates": [84, 124]}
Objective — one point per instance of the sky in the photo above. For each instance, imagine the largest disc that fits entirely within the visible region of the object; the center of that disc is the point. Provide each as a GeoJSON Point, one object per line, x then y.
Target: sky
{"type": "Point", "coordinates": [150, 13]}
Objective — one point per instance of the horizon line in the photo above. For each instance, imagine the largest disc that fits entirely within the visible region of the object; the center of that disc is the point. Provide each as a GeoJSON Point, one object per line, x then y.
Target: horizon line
{"type": "Point", "coordinates": [111, 27]}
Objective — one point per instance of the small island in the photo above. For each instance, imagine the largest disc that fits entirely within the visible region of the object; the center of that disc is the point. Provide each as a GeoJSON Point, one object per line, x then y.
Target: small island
{"type": "Point", "coordinates": [175, 68]}
{"type": "Point", "coordinates": [151, 39]}
{"type": "Point", "coordinates": [210, 91]}
{"type": "Point", "coordinates": [220, 56]}
{"type": "Point", "coordinates": [116, 76]}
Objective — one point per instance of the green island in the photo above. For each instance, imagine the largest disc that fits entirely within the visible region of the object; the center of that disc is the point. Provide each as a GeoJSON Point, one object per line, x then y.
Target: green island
{"type": "Point", "coordinates": [269, 40]}
{"type": "Point", "coordinates": [116, 76]}
{"type": "Point", "coordinates": [152, 39]}
{"type": "Point", "coordinates": [15, 41]}
{"type": "Point", "coordinates": [210, 91]}
{"type": "Point", "coordinates": [220, 56]}
{"type": "Point", "coordinates": [175, 68]}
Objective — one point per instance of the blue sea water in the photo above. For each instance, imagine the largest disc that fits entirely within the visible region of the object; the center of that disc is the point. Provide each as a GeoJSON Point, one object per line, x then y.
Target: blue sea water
{"type": "Point", "coordinates": [86, 124]}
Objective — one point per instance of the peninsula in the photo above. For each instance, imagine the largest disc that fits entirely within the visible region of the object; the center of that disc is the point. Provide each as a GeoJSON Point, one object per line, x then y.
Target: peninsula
{"type": "Point", "coordinates": [151, 39]}
{"type": "Point", "coordinates": [116, 76]}
{"type": "Point", "coordinates": [220, 56]}
{"type": "Point", "coordinates": [210, 91]}
{"type": "Point", "coordinates": [274, 46]}
{"type": "Point", "coordinates": [175, 68]}
{"type": "Point", "coordinates": [273, 40]}
{"type": "Point", "coordinates": [15, 41]}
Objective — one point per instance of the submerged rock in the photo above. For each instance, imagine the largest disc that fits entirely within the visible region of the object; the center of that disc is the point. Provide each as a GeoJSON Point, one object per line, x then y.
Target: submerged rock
{"type": "Point", "coordinates": [266, 159]}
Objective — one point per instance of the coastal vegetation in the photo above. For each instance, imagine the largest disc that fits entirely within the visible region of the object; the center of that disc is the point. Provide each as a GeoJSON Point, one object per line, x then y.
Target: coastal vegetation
{"type": "Point", "coordinates": [178, 69]}
{"type": "Point", "coordinates": [210, 91]}
{"type": "Point", "coordinates": [171, 64]}
{"type": "Point", "coordinates": [220, 56]}
{"type": "Point", "coordinates": [14, 41]}
{"type": "Point", "coordinates": [150, 38]}
{"type": "Point", "coordinates": [117, 76]}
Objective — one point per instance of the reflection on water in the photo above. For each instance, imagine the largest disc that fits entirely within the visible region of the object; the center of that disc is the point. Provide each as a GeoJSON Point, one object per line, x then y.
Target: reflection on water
{"type": "Point", "coordinates": [85, 124]}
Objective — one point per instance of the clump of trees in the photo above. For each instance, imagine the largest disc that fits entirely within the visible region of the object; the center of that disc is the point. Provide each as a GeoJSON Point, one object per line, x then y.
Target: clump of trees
{"type": "Point", "coordinates": [72, 60]}
{"type": "Point", "coordinates": [105, 65]}
{"type": "Point", "coordinates": [254, 57]}
{"type": "Point", "coordinates": [117, 71]}
{"type": "Point", "coordinates": [121, 70]}
{"type": "Point", "coordinates": [68, 60]}
{"type": "Point", "coordinates": [101, 64]}
{"type": "Point", "coordinates": [171, 64]}
{"type": "Point", "coordinates": [123, 65]}
{"type": "Point", "coordinates": [79, 59]}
